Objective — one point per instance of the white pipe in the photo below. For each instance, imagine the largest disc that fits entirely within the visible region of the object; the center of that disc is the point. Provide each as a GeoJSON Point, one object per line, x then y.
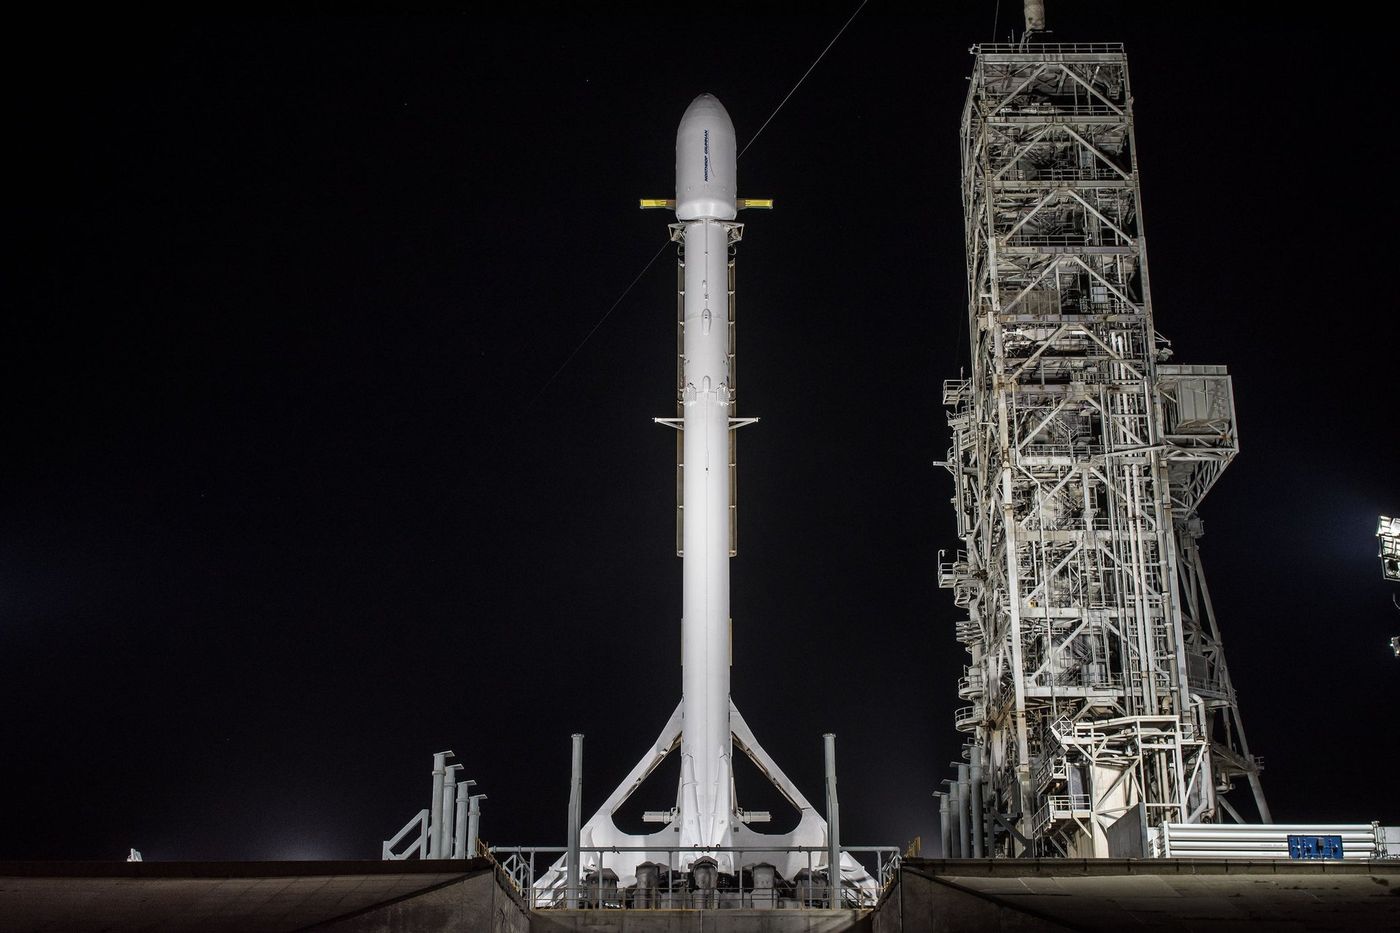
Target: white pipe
{"type": "Point", "coordinates": [575, 821]}
{"type": "Point", "coordinates": [955, 824]}
{"type": "Point", "coordinates": [435, 810]}
{"type": "Point", "coordinates": [964, 813]}
{"type": "Point", "coordinates": [945, 831]}
{"type": "Point", "coordinates": [473, 824]}
{"type": "Point", "coordinates": [975, 776]}
{"type": "Point", "coordinates": [449, 802]}
{"type": "Point", "coordinates": [833, 822]}
{"type": "Point", "coordinates": [459, 822]}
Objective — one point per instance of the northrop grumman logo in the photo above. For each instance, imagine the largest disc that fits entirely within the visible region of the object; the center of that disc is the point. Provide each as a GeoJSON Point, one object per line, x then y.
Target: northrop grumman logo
{"type": "Point", "coordinates": [707, 155]}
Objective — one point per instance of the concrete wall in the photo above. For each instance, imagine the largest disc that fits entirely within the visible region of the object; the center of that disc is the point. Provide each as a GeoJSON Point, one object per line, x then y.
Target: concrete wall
{"type": "Point", "coordinates": [480, 903]}
{"type": "Point", "coordinates": [1002, 895]}
{"type": "Point", "coordinates": [921, 903]}
{"type": "Point", "coordinates": [1110, 895]}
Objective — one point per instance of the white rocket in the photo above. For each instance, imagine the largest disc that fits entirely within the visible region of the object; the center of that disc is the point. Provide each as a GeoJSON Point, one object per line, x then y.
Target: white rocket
{"type": "Point", "coordinates": [705, 208]}
{"type": "Point", "coordinates": [706, 725]}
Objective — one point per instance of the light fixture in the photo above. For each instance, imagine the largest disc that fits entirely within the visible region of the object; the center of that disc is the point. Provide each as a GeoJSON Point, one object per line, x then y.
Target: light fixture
{"type": "Point", "coordinates": [1389, 532]}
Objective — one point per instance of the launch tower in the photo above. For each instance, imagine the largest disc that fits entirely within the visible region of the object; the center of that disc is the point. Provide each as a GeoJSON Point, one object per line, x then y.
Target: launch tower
{"type": "Point", "coordinates": [1099, 705]}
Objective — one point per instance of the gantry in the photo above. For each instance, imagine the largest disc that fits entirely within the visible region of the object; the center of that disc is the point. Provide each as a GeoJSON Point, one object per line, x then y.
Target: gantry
{"type": "Point", "coordinates": [1099, 702]}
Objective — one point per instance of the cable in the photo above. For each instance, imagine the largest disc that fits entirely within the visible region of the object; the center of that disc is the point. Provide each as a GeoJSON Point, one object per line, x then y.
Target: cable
{"type": "Point", "coordinates": [611, 309]}
{"type": "Point", "coordinates": [800, 80]}
{"type": "Point", "coordinates": [652, 261]}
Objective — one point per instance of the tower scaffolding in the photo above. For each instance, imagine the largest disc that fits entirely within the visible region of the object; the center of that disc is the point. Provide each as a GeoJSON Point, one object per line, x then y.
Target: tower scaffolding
{"type": "Point", "coordinates": [1100, 702]}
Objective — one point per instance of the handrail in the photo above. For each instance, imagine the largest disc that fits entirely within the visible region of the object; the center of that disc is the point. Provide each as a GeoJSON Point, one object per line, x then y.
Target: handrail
{"type": "Point", "coordinates": [1053, 48]}
{"type": "Point", "coordinates": [419, 846]}
{"type": "Point", "coordinates": [600, 890]}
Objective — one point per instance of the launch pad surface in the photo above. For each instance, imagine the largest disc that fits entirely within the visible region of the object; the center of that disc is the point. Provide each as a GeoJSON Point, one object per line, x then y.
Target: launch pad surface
{"type": "Point", "coordinates": [447, 895]}
{"type": "Point", "coordinates": [473, 894]}
{"type": "Point", "coordinates": [254, 897]}
{"type": "Point", "coordinates": [1151, 894]}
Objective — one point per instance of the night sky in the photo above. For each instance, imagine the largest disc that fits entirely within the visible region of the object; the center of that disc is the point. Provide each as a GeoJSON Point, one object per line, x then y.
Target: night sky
{"type": "Point", "coordinates": [293, 498]}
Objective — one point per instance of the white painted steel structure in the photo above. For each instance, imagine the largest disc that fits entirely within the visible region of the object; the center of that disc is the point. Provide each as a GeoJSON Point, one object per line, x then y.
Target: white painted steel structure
{"type": "Point", "coordinates": [448, 827]}
{"type": "Point", "coordinates": [706, 821]}
{"type": "Point", "coordinates": [1388, 532]}
{"type": "Point", "coordinates": [1096, 680]}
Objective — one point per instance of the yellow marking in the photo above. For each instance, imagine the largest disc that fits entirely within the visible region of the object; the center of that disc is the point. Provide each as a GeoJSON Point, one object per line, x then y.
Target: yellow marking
{"type": "Point", "coordinates": [658, 202]}
{"type": "Point", "coordinates": [765, 204]}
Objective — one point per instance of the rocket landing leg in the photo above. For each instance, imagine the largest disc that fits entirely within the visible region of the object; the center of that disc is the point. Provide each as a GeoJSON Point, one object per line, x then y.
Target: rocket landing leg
{"type": "Point", "coordinates": [664, 847]}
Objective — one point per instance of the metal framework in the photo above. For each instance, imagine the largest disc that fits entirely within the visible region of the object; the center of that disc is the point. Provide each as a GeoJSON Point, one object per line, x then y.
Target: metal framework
{"type": "Point", "coordinates": [1097, 683]}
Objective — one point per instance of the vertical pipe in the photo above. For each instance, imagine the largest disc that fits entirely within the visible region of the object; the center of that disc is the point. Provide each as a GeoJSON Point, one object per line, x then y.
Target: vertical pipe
{"type": "Point", "coordinates": [459, 822]}
{"type": "Point", "coordinates": [449, 803]}
{"type": "Point", "coordinates": [833, 822]}
{"type": "Point", "coordinates": [954, 822]}
{"type": "Point", "coordinates": [964, 812]}
{"type": "Point", "coordinates": [575, 821]}
{"type": "Point", "coordinates": [945, 831]}
{"type": "Point", "coordinates": [978, 839]}
{"type": "Point", "coordinates": [435, 811]}
{"type": "Point", "coordinates": [473, 824]}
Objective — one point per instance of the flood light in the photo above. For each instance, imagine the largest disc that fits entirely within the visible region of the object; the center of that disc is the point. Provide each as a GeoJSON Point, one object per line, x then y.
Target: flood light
{"type": "Point", "coordinates": [1389, 532]}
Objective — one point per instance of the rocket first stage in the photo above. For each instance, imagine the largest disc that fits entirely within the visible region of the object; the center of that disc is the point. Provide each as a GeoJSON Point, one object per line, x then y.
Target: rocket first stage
{"type": "Point", "coordinates": [705, 207]}
{"type": "Point", "coordinates": [706, 726]}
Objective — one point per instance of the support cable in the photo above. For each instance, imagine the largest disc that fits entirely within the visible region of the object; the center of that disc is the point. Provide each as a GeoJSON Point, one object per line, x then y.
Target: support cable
{"type": "Point", "coordinates": [814, 64]}
{"type": "Point", "coordinates": [651, 262]}
{"type": "Point", "coordinates": [594, 329]}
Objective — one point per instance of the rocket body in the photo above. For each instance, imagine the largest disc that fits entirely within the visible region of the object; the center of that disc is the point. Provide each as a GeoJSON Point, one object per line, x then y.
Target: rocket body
{"type": "Point", "coordinates": [705, 204]}
{"type": "Point", "coordinates": [706, 727]}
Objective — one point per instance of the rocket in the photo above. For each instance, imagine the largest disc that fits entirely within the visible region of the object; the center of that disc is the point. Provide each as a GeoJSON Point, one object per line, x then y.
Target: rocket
{"type": "Point", "coordinates": [705, 206]}
{"type": "Point", "coordinates": [705, 727]}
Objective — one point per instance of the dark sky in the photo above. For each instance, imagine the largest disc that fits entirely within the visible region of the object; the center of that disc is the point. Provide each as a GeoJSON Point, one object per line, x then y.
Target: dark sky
{"type": "Point", "coordinates": [291, 501]}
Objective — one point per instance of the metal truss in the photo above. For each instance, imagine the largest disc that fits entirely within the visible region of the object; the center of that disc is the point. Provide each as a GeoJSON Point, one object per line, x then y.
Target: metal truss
{"type": "Point", "coordinates": [1097, 682]}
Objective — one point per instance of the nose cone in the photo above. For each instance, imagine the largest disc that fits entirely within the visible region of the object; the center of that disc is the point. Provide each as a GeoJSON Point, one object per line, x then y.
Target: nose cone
{"type": "Point", "coordinates": [705, 162]}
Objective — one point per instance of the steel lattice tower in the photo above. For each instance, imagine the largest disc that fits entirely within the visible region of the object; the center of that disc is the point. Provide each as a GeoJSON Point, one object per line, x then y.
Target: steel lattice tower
{"type": "Point", "coordinates": [1098, 691]}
